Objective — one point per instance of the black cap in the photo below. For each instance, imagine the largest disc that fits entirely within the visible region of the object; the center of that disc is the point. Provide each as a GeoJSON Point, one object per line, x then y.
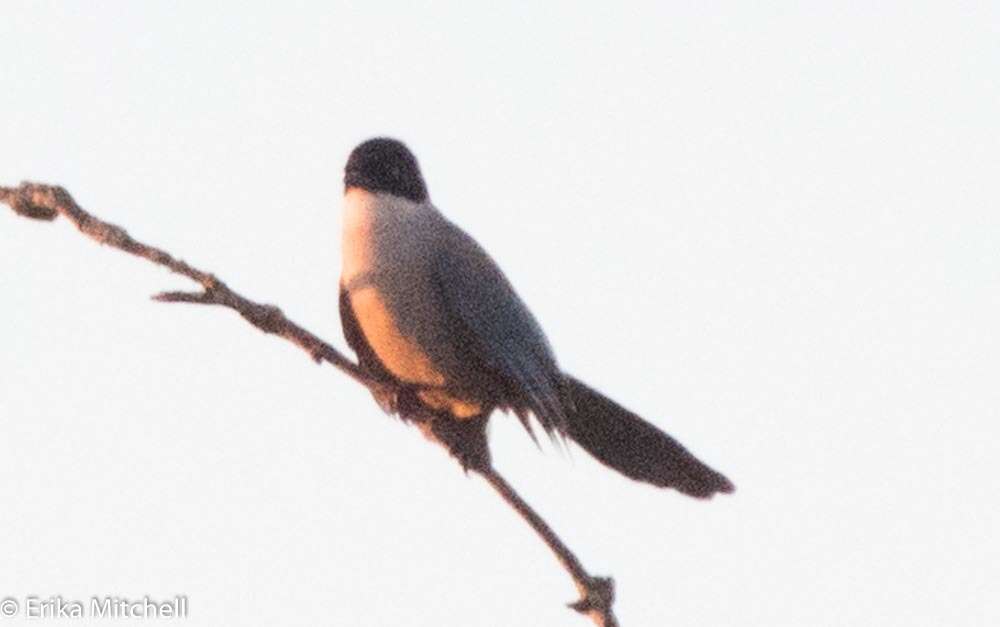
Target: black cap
{"type": "Point", "coordinates": [385, 165]}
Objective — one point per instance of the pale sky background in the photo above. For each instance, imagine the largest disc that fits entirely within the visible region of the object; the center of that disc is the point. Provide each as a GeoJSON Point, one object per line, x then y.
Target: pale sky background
{"type": "Point", "coordinates": [772, 230]}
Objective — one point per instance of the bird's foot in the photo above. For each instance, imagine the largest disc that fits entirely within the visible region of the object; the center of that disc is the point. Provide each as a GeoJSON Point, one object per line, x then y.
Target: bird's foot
{"type": "Point", "coordinates": [387, 399]}
{"type": "Point", "coordinates": [465, 440]}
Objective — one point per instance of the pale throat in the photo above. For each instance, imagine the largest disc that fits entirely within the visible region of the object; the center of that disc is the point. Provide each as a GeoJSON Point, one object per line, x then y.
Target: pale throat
{"type": "Point", "coordinates": [371, 221]}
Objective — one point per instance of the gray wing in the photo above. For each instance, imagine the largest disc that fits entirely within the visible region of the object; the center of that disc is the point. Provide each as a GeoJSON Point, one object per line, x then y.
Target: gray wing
{"type": "Point", "coordinates": [502, 333]}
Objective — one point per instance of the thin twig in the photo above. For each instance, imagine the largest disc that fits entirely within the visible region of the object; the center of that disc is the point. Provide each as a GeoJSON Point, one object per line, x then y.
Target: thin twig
{"type": "Point", "coordinates": [46, 202]}
{"type": "Point", "coordinates": [597, 594]}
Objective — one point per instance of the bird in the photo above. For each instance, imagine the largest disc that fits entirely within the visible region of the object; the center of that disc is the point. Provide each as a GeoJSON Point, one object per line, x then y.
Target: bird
{"type": "Point", "coordinates": [432, 316]}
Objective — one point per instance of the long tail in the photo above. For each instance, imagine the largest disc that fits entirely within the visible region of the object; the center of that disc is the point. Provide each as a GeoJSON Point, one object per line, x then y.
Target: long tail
{"type": "Point", "coordinates": [620, 439]}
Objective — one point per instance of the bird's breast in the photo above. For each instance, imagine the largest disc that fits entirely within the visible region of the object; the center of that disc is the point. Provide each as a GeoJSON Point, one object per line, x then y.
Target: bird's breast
{"type": "Point", "coordinates": [387, 272]}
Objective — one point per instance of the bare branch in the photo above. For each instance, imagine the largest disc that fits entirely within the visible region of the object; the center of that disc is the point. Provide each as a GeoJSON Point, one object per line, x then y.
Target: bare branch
{"type": "Point", "coordinates": [597, 594]}
{"type": "Point", "coordinates": [46, 202]}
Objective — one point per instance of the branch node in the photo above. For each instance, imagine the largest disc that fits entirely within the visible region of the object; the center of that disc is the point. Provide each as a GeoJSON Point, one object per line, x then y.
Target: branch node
{"type": "Point", "coordinates": [211, 282]}
{"type": "Point", "coordinates": [316, 352]}
{"type": "Point", "coordinates": [598, 596]}
{"type": "Point", "coordinates": [23, 203]}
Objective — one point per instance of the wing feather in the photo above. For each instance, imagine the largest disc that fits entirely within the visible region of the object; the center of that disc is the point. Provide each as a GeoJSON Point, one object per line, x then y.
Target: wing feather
{"type": "Point", "coordinates": [505, 336]}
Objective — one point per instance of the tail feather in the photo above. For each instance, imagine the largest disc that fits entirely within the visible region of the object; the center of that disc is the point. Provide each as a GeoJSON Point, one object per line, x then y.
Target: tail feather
{"type": "Point", "coordinates": [624, 441]}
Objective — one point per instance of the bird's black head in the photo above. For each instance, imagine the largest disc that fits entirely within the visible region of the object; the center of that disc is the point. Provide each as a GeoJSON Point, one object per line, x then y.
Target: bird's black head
{"type": "Point", "coordinates": [385, 165]}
